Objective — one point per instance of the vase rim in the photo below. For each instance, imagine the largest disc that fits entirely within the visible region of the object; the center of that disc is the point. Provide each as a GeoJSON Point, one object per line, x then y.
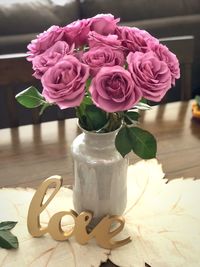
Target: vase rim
{"type": "Point", "coordinates": [96, 133]}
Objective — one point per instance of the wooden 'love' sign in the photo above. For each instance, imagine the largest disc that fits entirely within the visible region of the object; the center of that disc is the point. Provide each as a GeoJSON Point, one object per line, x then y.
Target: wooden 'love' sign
{"type": "Point", "coordinates": [103, 232]}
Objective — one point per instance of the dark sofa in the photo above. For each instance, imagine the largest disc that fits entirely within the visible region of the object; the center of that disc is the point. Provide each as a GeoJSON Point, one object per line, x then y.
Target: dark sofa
{"type": "Point", "coordinates": [21, 20]}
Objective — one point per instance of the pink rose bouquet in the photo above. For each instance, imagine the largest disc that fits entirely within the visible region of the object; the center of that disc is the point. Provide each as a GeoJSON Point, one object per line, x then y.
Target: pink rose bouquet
{"type": "Point", "coordinates": [106, 72]}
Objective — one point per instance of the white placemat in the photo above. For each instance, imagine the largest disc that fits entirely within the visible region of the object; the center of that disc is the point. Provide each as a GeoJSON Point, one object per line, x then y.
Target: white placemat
{"type": "Point", "coordinates": [162, 218]}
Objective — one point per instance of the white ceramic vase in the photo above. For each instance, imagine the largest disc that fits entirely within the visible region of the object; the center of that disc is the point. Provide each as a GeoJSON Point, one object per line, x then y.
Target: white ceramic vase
{"type": "Point", "coordinates": [100, 174]}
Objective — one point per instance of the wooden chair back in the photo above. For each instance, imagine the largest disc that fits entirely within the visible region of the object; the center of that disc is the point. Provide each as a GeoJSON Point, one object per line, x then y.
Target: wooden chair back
{"type": "Point", "coordinates": [16, 75]}
{"type": "Point", "coordinates": [15, 71]}
{"type": "Point", "coordinates": [183, 48]}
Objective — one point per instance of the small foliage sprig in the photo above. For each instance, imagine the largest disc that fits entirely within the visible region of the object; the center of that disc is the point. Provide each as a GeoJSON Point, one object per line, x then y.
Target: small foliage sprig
{"type": "Point", "coordinates": [7, 239]}
{"type": "Point", "coordinates": [129, 138]}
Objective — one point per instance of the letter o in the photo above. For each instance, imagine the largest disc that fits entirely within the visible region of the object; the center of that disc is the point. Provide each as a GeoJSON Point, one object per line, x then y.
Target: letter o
{"type": "Point", "coordinates": [54, 226]}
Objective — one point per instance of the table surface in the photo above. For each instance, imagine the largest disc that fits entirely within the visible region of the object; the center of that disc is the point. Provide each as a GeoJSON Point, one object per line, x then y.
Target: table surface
{"type": "Point", "coordinates": [29, 154]}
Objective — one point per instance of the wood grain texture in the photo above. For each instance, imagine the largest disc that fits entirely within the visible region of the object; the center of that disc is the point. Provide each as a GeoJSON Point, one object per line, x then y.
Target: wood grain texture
{"type": "Point", "coordinates": [29, 154]}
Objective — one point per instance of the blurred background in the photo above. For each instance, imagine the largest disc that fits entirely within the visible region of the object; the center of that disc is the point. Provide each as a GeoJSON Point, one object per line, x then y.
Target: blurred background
{"type": "Point", "coordinates": [176, 22]}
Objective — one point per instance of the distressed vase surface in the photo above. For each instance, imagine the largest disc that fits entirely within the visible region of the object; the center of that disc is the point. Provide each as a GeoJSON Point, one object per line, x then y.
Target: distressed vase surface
{"type": "Point", "coordinates": [100, 175]}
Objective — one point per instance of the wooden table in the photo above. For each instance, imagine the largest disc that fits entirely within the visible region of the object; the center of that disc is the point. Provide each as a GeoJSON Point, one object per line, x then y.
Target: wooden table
{"type": "Point", "coordinates": [29, 154]}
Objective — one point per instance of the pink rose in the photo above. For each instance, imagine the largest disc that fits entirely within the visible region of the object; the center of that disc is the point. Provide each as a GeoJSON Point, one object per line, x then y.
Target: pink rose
{"type": "Point", "coordinates": [96, 39]}
{"type": "Point", "coordinates": [49, 58]}
{"type": "Point", "coordinates": [133, 39]}
{"type": "Point", "coordinates": [113, 89]}
{"type": "Point", "coordinates": [101, 57]}
{"type": "Point", "coordinates": [169, 58]}
{"type": "Point", "coordinates": [44, 41]}
{"type": "Point", "coordinates": [103, 24]}
{"type": "Point", "coordinates": [64, 83]}
{"type": "Point", "coordinates": [77, 32]}
{"type": "Point", "coordinates": [150, 74]}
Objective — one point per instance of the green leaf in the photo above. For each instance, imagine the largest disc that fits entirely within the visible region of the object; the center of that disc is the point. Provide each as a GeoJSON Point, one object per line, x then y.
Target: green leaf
{"type": "Point", "coordinates": [142, 142]}
{"type": "Point", "coordinates": [90, 117]}
{"type": "Point", "coordinates": [126, 65]}
{"type": "Point", "coordinates": [44, 107]}
{"type": "Point", "coordinates": [8, 240]}
{"type": "Point", "coordinates": [8, 225]}
{"type": "Point", "coordinates": [87, 100]}
{"type": "Point", "coordinates": [30, 98]}
{"type": "Point", "coordinates": [134, 116]}
{"type": "Point", "coordinates": [143, 100]}
{"type": "Point", "coordinates": [88, 82]}
{"type": "Point", "coordinates": [95, 117]}
{"type": "Point", "coordinates": [80, 111]}
{"type": "Point", "coordinates": [122, 142]}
